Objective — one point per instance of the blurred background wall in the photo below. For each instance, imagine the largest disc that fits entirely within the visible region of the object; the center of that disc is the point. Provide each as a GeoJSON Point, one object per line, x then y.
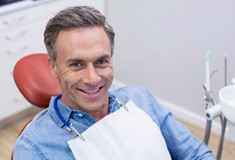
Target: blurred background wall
{"type": "Point", "coordinates": [161, 45]}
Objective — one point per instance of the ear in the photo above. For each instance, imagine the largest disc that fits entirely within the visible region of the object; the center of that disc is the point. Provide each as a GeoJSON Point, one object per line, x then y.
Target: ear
{"type": "Point", "coordinates": [53, 67]}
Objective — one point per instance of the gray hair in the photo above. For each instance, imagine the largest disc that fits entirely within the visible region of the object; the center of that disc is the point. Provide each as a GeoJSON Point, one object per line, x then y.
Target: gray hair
{"type": "Point", "coordinates": [71, 18]}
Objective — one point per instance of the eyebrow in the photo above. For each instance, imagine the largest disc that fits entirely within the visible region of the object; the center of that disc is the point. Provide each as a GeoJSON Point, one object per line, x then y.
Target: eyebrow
{"type": "Point", "coordinates": [78, 60]}
{"type": "Point", "coordinates": [104, 57]}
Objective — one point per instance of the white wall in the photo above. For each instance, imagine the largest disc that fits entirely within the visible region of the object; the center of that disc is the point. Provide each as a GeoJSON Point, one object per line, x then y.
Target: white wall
{"type": "Point", "coordinates": [161, 45]}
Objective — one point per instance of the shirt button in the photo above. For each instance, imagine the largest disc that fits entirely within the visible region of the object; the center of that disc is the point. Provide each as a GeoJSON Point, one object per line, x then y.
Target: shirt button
{"type": "Point", "coordinates": [80, 114]}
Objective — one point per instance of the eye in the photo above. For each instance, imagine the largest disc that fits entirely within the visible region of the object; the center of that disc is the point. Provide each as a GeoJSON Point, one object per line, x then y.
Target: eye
{"type": "Point", "coordinates": [102, 61]}
{"type": "Point", "coordinates": [77, 65]}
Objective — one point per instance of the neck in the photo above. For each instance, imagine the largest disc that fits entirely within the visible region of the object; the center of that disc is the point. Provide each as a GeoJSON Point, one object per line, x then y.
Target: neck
{"type": "Point", "coordinates": [98, 115]}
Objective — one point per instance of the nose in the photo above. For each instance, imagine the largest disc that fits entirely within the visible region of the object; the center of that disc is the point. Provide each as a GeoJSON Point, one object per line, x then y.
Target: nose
{"type": "Point", "coordinates": [91, 76]}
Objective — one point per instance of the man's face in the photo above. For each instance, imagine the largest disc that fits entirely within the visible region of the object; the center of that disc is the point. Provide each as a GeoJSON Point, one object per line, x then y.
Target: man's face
{"type": "Point", "coordinates": [84, 68]}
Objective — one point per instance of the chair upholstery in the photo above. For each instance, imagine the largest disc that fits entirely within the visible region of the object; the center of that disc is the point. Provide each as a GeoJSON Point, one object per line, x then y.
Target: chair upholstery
{"type": "Point", "coordinates": [34, 79]}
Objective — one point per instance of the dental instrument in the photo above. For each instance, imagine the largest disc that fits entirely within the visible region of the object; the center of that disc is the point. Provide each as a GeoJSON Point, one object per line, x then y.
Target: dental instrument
{"type": "Point", "coordinates": [213, 110]}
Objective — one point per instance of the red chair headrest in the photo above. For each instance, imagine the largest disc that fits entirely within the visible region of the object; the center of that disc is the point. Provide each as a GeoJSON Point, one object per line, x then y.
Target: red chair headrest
{"type": "Point", "coordinates": [34, 79]}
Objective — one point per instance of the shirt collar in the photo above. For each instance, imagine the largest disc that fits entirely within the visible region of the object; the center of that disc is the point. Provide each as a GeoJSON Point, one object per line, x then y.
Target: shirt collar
{"type": "Point", "coordinates": [113, 103]}
{"type": "Point", "coordinates": [66, 112]}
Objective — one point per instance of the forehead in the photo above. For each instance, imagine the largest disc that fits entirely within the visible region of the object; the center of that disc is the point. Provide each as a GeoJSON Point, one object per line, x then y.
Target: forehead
{"type": "Point", "coordinates": [82, 35]}
{"type": "Point", "coordinates": [83, 42]}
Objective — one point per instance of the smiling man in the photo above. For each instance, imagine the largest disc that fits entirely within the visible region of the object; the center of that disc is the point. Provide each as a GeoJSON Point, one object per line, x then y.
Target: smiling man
{"type": "Point", "coordinates": [123, 123]}
{"type": "Point", "coordinates": [84, 68]}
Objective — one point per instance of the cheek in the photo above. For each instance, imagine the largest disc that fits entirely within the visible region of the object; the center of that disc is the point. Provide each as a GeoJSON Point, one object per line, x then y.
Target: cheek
{"type": "Point", "coordinates": [68, 78]}
{"type": "Point", "coordinates": [108, 73]}
{"type": "Point", "coordinates": [64, 73]}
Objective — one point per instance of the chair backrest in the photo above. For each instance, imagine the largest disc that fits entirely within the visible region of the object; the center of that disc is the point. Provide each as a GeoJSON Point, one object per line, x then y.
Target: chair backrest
{"type": "Point", "coordinates": [34, 79]}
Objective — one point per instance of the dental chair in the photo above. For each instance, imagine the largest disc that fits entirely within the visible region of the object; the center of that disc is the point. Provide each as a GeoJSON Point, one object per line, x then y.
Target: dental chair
{"type": "Point", "coordinates": [35, 81]}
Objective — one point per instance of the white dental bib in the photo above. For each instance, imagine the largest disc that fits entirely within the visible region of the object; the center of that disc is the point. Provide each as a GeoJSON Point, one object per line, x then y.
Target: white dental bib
{"type": "Point", "coordinates": [122, 135]}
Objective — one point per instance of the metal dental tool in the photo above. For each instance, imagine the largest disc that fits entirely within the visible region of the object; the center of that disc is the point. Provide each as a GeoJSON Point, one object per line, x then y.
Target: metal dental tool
{"type": "Point", "coordinates": [211, 104]}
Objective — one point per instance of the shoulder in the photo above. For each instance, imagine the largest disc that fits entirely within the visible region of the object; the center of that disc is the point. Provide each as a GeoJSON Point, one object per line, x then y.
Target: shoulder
{"type": "Point", "coordinates": [33, 130]}
{"type": "Point", "coordinates": [139, 95]}
{"type": "Point", "coordinates": [129, 88]}
{"type": "Point", "coordinates": [42, 125]}
{"type": "Point", "coordinates": [134, 93]}
{"type": "Point", "coordinates": [144, 98]}
{"type": "Point", "coordinates": [28, 139]}
{"type": "Point", "coordinates": [39, 137]}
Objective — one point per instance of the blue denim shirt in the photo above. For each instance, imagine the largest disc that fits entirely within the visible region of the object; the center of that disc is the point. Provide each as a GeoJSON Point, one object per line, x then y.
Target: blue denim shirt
{"type": "Point", "coordinates": [46, 136]}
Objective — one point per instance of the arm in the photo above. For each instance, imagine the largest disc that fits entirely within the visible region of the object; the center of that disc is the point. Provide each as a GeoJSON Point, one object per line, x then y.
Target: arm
{"type": "Point", "coordinates": [181, 144]}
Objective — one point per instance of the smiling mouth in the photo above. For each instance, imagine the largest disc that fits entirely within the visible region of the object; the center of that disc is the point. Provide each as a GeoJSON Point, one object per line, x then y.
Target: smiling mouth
{"type": "Point", "coordinates": [90, 92]}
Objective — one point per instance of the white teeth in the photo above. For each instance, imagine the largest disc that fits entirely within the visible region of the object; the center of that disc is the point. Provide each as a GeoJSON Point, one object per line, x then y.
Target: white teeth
{"type": "Point", "coordinates": [90, 91]}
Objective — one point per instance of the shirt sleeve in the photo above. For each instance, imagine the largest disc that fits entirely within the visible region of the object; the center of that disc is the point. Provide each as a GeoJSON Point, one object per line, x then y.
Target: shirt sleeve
{"type": "Point", "coordinates": [181, 143]}
{"type": "Point", "coordinates": [25, 149]}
